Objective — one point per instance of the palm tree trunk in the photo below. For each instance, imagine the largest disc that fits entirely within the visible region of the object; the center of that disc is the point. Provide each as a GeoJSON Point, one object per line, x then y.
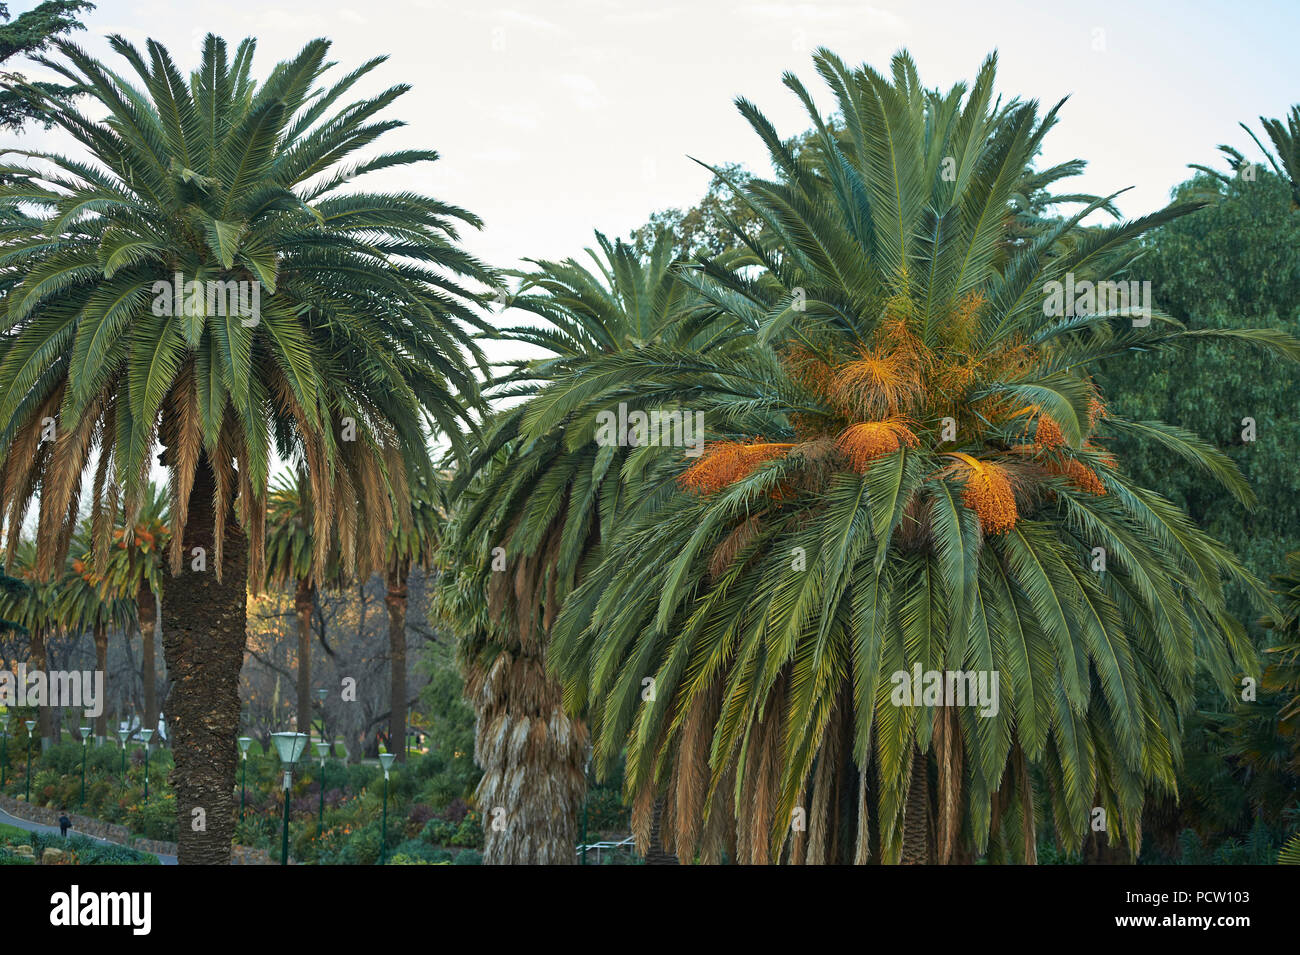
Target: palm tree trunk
{"type": "Point", "coordinates": [536, 822]}
{"type": "Point", "coordinates": [396, 601]}
{"type": "Point", "coordinates": [917, 839]}
{"type": "Point", "coordinates": [101, 664]}
{"type": "Point", "coordinates": [656, 854]}
{"type": "Point", "coordinates": [44, 715]}
{"type": "Point", "coordinates": [302, 604]}
{"type": "Point", "coordinates": [203, 646]}
{"type": "Point", "coordinates": [147, 615]}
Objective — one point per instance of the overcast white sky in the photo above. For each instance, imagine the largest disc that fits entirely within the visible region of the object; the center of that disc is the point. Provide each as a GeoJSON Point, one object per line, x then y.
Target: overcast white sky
{"type": "Point", "coordinates": [557, 117]}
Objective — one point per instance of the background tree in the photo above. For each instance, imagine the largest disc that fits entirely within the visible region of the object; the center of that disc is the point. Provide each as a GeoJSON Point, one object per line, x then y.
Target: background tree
{"type": "Point", "coordinates": [290, 563]}
{"type": "Point", "coordinates": [1234, 263]}
{"type": "Point", "coordinates": [31, 608]}
{"type": "Point", "coordinates": [85, 601]}
{"type": "Point", "coordinates": [358, 345]}
{"type": "Point", "coordinates": [133, 569]}
{"type": "Point", "coordinates": [413, 541]}
{"type": "Point", "coordinates": [29, 34]}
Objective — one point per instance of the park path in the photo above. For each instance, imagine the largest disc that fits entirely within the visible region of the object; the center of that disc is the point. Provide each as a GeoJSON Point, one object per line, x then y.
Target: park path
{"type": "Point", "coordinates": [7, 819]}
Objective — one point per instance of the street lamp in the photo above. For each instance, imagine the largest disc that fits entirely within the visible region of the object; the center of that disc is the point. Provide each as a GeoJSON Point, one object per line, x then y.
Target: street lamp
{"type": "Point", "coordinates": [244, 743]}
{"type": "Point", "coordinates": [122, 735]}
{"type": "Point", "coordinates": [146, 735]}
{"type": "Point", "coordinates": [289, 747]}
{"type": "Point", "coordinates": [85, 738]}
{"type": "Point", "coordinates": [386, 759]}
{"type": "Point", "coordinates": [322, 750]}
{"type": "Point", "coordinates": [31, 725]}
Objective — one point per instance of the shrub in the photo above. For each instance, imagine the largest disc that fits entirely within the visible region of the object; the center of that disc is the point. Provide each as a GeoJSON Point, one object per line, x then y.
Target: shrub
{"type": "Point", "coordinates": [469, 857]}
{"type": "Point", "coordinates": [439, 832]}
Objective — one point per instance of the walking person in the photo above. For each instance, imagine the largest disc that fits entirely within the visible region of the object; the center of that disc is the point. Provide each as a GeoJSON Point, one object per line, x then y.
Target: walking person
{"type": "Point", "coordinates": [64, 823]}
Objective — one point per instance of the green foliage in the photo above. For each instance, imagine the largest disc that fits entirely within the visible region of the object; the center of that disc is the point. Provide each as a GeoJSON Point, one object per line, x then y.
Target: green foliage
{"type": "Point", "coordinates": [1232, 264]}
{"type": "Point", "coordinates": [28, 35]}
{"type": "Point", "coordinates": [605, 810]}
{"type": "Point", "coordinates": [889, 292]}
{"type": "Point", "coordinates": [361, 314]}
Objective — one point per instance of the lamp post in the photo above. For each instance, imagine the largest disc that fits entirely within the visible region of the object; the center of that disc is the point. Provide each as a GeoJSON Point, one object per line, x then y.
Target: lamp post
{"type": "Point", "coordinates": [31, 725]}
{"type": "Point", "coordinates": [244, 743]}
{"type": "Point", "coordinates": [146, 735]}
{"type": "Point", "coordinates": [85, 738]}
{"type": "Point", "coordinates": [386, 760]}
{"type": "Point", "coordinates": [322, 750]}
{"type": "Point", "coordinates": [122, 735]}
{"type": "Point", "coordinates": [4, 749]}
{"type": "Point", "coordinates": [290, 748]}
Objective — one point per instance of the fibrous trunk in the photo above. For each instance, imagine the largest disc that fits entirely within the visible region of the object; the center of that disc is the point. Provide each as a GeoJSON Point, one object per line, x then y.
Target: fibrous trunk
{"type": "Point", "coordinates": [532, 754]}
{"type": "Point", "coordinates": [917, 840]}
{"type": "Point", "coordinates": [203, 646]}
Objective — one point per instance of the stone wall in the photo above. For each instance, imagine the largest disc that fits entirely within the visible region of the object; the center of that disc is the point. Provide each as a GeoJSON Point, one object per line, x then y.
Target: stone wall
{"type": "Point", "coordinates": [87, 826]}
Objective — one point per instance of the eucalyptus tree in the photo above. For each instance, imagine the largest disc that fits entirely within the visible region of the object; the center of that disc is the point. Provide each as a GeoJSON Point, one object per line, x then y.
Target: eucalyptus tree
{"type": "Point", "coordinates": [907, 483]}
{"type": "Point", "coordinates": [210, 281]}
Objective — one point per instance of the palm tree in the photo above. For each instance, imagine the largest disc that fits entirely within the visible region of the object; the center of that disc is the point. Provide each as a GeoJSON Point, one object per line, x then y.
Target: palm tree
{"type": "Point", "coordinates": [348, 341]}
{"type": "Point", "coordinates": [86, 600]}
{"type": "Point", "coordinates": [1285, 138]}
{"type": "Point", "coordinates": [290, 562]}
{"type": "Point", "coordinates": [532, 508]}
{"type": "Point", "coordinates": [30, 608]}
{"type": "Point", "coordinates": [908, 470]}
{"type": "Point", "coordinates": [133, 570]}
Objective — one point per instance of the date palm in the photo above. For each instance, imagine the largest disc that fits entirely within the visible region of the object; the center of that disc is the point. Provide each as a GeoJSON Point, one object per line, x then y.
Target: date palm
{"type": "Point", "coordinates": [1284, 157]}
{"type": "Point", "coordinates": [531, 510]}
{"type": "Point", "coordinates": [86, 600]}
{"type": "Point", "coordinates": [30, 607]}
{"type": "Point", "coordinates": [131, 558]}
{"type": "Point", "coordinates": [291, 563]}
{"type": "Point", "coordinates": [908, 469]}
{"type": "Point", "coordinates": [358, 344]}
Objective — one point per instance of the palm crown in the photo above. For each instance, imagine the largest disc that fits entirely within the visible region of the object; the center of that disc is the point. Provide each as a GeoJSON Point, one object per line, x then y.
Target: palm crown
{"type": "Point", "coordinates": [909, 468]}
{"type": "Point", "coordinates": [362, 320]}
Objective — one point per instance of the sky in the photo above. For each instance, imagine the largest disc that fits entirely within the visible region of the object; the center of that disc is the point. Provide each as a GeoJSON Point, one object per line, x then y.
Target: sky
{"type": "Point", "coordinates": [559, 117]}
